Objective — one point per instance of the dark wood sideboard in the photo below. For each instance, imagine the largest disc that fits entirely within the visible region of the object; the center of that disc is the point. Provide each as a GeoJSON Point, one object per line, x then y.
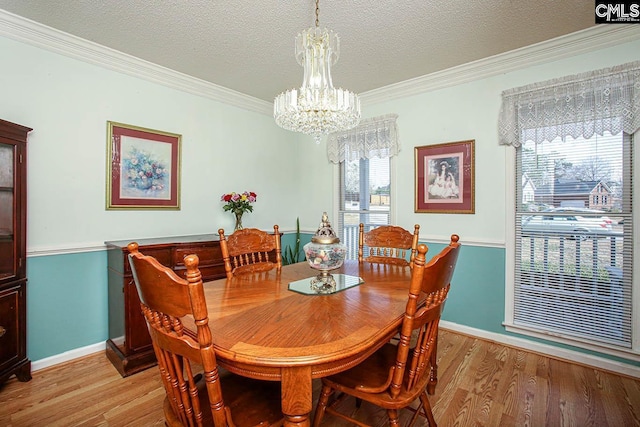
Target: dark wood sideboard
{"type": "Point", "coordinates": [129, 345]}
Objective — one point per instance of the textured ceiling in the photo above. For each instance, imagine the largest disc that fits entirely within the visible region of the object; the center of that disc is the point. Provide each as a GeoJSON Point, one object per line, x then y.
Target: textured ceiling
{"type": "Point", "coordinates": [248, 46]}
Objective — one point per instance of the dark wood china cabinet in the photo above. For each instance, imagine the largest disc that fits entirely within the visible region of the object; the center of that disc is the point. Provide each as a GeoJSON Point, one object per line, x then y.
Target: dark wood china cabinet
{"type": "Point", "coordinates": [13, 252]}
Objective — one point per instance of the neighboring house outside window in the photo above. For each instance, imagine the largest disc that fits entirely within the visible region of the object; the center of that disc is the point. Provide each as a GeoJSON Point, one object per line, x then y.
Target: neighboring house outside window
{"type": "Point", "coordinates": [528, 190]}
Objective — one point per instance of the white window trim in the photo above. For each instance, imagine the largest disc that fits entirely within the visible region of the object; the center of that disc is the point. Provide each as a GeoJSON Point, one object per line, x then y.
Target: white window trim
{"type": "Point", "coordinates": [336, 194]}
{"type": "Point", "coordinates": [510, 236]}
{"type": "Point", "coordinates": [393, 188]}
{"type": "Point", "coordinates": [635, 296]}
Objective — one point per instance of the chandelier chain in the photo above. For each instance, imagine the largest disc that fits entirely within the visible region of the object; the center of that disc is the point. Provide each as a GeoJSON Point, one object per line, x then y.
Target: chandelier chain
{"type": "Point", "coordinates": [317, 13]}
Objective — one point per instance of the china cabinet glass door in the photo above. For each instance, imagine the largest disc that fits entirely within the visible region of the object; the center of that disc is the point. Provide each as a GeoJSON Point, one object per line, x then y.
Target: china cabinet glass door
{"type": "Point", "coordinates": [8, 267]}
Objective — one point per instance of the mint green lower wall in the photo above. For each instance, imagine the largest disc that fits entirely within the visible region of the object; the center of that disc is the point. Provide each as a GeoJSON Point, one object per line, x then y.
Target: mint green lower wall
{"type": "Point", "coordinates": [66, 303]}
{"type": "Point", "coordinates": [288, 242]}
{"type": "Point", "coordinates": [67, 298]}
{"type": "Point", "coordinates": [476, 298]}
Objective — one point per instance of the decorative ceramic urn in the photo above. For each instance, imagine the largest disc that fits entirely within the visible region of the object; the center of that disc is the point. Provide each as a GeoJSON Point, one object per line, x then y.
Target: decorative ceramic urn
{"type": "Point", "coordinates": [324, 253]}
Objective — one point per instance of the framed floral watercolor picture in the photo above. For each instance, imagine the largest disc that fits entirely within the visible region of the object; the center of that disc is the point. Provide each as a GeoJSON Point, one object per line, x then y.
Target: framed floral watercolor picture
{"type": "Point", "coordinates": [143, 168]}
{"type": "Point", "coordinates": [445, 178]}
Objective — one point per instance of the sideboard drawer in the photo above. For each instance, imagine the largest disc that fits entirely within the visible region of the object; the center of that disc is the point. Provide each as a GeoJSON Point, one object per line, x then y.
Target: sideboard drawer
{"type": "Point", "coordinates": [207, 255]}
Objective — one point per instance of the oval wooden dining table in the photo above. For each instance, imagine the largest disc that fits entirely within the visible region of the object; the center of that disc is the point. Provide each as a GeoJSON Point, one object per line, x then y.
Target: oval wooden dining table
{"type": "Point", "coordinates": [263, 330]}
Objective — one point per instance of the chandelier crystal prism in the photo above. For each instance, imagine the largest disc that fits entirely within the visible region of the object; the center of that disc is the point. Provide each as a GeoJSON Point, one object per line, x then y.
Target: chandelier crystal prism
{"type": "Point", "coordinates": [317, 108]}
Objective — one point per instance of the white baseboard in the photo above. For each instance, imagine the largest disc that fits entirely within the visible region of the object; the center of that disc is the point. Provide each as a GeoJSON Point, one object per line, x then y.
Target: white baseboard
{"type": "Point", "coordinates": [67, 356]}
{"type": "Point", "coordinates": [558, 353]}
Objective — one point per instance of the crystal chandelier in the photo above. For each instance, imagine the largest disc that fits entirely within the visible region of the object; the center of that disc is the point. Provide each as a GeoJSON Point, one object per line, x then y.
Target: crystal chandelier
{"type": "Point", "coordinates": [317, 108]}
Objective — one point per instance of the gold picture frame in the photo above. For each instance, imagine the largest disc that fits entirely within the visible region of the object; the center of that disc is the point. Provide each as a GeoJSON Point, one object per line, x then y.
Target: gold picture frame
{"type": "Point", "coordinates": [143, 168]}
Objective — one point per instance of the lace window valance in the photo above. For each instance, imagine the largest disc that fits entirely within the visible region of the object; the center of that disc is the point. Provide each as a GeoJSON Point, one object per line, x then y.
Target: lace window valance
{"type": "Point", "coordinates": [374, 137]}
{"type": "Point", "coordinates": [578, 106]}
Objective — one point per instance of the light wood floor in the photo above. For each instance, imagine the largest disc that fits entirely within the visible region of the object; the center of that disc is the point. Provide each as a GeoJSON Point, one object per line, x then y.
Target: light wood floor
{"type": "Point", "coordinates": [480, 384]}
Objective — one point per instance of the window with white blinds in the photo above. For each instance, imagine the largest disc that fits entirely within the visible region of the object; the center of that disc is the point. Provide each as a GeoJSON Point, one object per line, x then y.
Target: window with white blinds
{"type": "Point", "coordinates": [574, 239]}
{"type": "Point", "coordinates": [573, 253]}
{"type": "Point", "coordinates": [365, 197]}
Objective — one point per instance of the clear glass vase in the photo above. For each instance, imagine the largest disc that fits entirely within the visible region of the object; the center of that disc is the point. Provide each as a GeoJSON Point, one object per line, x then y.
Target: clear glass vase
{"type": "Point", "coordinates": [238, 221]}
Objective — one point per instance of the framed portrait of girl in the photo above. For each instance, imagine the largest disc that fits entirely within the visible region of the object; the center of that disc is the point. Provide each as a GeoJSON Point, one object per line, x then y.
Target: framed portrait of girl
{"type": "Point", "coordinates": [445, 178]}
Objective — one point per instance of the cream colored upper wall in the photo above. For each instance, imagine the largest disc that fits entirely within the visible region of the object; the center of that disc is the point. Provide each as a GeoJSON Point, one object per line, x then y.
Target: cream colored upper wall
{"type": "Point", "coordinates": [68, 102]}
{"type": "Point", "coordinates": [470, 111]}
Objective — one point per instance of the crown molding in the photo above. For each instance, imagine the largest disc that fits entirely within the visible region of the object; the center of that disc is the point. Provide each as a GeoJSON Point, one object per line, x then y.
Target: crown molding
{"type": "Point", "coordinates": [598, 37]}
{"type": "Point", "coordinates": [588, 40]}
{"type": "Point", "coordinates": [27, 31]}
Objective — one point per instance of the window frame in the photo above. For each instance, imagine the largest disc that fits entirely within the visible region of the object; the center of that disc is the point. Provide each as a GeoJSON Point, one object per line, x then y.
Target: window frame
{"type": "Point", "coordinates": [337, 202]}
{"type": "Point", "coordinates": [510, 263]}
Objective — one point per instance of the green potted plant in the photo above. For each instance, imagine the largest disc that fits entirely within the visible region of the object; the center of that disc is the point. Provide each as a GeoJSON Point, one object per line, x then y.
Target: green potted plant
{"type": "Point", "coordinates": [293, 255]}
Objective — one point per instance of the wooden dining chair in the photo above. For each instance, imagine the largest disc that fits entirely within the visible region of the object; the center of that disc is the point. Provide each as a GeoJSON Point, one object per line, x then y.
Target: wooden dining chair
{"type": "Point", "coordinates": [213, 398]}
{"type": "Point", "coordinates": [250, 250]}
{"type": "Point", "coordinates": [398, 374]}
{"type": "Point", "coordinates": [388, 244]}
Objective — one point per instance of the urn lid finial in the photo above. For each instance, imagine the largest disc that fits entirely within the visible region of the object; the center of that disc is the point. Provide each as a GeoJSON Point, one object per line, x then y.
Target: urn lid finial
{"type": "Point", "coordinates": [325, 234]}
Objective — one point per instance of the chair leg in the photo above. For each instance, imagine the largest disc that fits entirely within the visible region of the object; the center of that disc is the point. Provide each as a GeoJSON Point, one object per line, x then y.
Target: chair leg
{"type": "Point", "coordinates": [322, 405]}
{"type": "Point", "coordinates": [433, 373]}
{"type": "Point", "coordinates": [358, 403]}
{"type": "Point", "coordinates": [426, 405]}
{"type": "Point", "coordinates": [416, 414]}
{"type": "Point", "coordinates": [433, 381]}
{"type": "Point", "coordinates": [393, 418]}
